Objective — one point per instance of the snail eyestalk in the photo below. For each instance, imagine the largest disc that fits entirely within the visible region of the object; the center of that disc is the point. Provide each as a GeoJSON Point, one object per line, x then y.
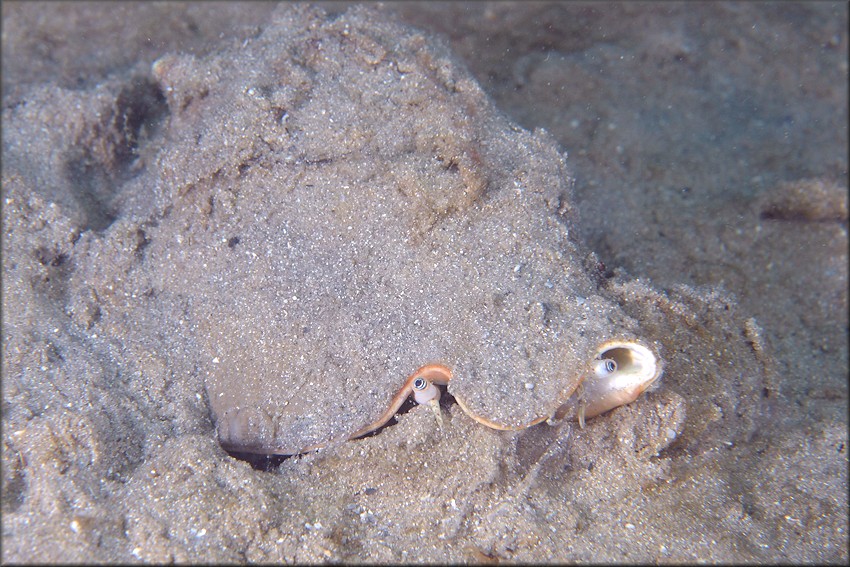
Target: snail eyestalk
{"type": "Point", "coordinates": [424, 391]}
{"type": "Point", "coordinates": [605, 367]}
{"type": "Point", "coordinates": [422, 384]}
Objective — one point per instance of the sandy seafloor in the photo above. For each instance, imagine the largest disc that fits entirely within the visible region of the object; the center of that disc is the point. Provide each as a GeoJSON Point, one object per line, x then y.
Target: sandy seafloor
{"type": "Point", "coordinates": [708, 142]}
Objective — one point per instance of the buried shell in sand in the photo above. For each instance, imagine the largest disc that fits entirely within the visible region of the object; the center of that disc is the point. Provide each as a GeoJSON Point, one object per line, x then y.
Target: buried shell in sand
{"type": "Point", "coordinates": [621, 371]}
{"type": "Point", "coordinates": [343, 240]}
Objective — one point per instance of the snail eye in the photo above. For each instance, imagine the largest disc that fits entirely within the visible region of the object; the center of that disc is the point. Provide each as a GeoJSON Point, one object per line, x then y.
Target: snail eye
{"type": "Point", "coordinates": [605, 367]}
{"type": "Point", "coordinates": [420, 384]}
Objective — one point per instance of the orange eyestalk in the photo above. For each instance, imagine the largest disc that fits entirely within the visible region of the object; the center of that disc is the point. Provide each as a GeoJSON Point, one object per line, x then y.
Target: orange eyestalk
{"type": "Point", "coordinates": [422, 384]}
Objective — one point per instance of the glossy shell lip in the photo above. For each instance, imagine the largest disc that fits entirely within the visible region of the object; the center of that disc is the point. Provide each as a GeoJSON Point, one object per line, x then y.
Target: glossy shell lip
{"type": "Point", "coordinates": [494, 425]}
{"type": "Point", "coordinates": [435, 374]}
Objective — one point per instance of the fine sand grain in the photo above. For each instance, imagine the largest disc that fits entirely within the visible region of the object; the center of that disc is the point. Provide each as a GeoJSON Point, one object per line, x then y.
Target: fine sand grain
{"type": "Point", "coordinates": [287, 209]}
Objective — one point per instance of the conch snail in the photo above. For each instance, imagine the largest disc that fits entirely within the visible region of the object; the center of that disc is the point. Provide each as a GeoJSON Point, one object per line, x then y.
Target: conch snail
{"type": "Point", "coordinates": [621, 371]}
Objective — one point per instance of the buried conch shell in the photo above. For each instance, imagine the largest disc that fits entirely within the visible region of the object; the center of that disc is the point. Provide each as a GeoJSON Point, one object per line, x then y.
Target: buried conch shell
{"type": "Point", "coordinates": [621, 371]}
{"type": "Point", "coordinates": [332, 262]}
